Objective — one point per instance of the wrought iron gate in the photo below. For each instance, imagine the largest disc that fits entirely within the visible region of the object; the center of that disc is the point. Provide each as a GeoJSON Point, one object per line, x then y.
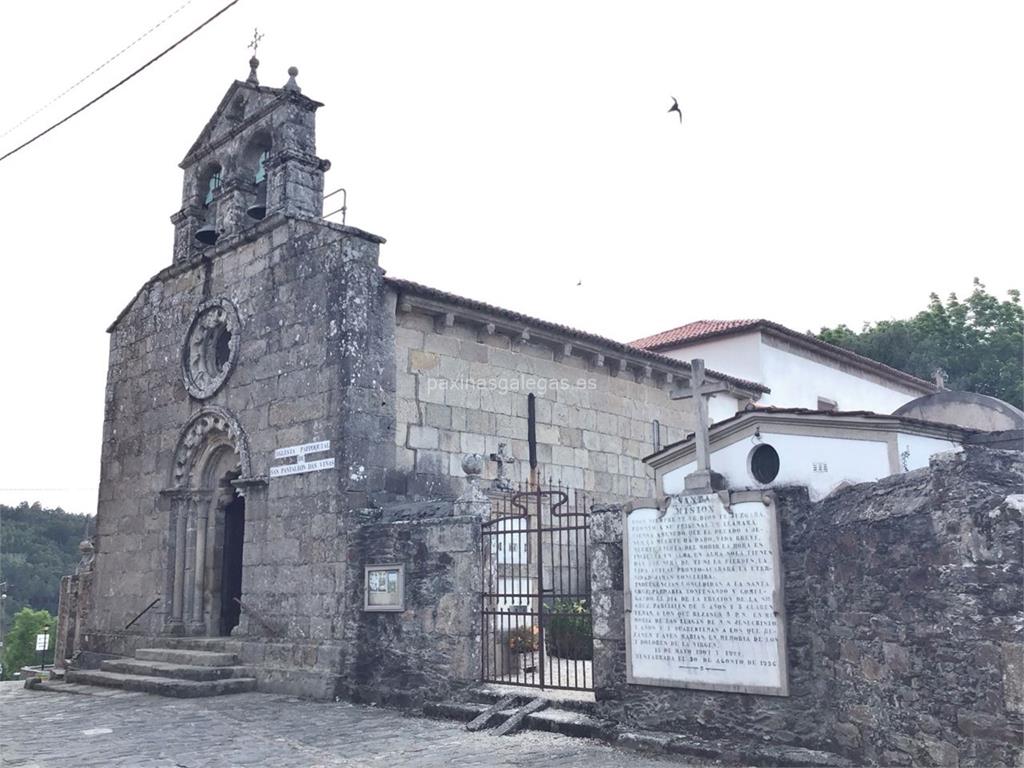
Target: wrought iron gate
{"type": "Point", "coordinates": [536, 620]}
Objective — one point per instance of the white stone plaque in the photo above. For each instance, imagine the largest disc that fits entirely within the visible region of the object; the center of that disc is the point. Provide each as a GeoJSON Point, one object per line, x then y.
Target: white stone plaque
{"type": "Point", "coordinates": [302, 450]}
{"type": "Point", "coordinates": [704, 603]}
{"type": "Point", "coordinates": [302, 467]}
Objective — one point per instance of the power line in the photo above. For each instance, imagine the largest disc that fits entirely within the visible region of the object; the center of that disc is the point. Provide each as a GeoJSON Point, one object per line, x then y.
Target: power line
{"type": "Point", "coordinates": [68, 90]}
{"type": "Point", "coordinates": [119, 83]}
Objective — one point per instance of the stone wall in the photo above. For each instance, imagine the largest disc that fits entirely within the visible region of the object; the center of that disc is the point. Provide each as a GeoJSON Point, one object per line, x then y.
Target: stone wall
{"type": "Point", "coordinates": [593, 426]}
{"type": "Point", "coordinates": [311, 364]}
{"type": "Point", "coordinates": [433, 646]}
{"type": "Point", "coordinates": [904, 619]}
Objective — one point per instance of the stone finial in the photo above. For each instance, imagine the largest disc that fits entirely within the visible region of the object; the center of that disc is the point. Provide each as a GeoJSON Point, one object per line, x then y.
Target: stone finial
{"type": "Point", "coordinates": [473, 465]}
{"type": "Point", "coordinates": [88, 550]}
{"type": "Point", "coordinates": [939, 376]}
{"type": "Point", "coordinates": [291, 85]}
{"type": "Point", "coordinates": [254, 64]}
{"type": "Point", "coordinates": [473, 501]}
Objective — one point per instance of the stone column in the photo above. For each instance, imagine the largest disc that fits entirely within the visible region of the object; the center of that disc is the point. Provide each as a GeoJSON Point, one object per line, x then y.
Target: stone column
{"type": "Point", "coordinates": [202, 521]}
{"type": "Point", "coordinates": [181, 504]}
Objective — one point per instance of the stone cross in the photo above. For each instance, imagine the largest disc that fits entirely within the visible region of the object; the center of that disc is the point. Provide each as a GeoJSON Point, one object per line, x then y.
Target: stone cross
{"type": "Point", "coordinates": [502, 458]}
{"type": "Point", "coordinates": [700, 390]}
{"type": "Point", "coordinates": [256, 37]}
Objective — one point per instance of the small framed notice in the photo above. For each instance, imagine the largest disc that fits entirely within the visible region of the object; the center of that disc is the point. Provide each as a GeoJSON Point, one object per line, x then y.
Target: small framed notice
{"type": "Point", "coordinates": [384, 588]}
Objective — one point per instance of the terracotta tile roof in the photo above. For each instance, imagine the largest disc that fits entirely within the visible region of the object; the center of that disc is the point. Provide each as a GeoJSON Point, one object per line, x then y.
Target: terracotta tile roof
{"type": "Point", "coordinates": [537, 324]}
{"type": "Point", "coordinates": [698, 329]}
{"type": "Point", "coordinates": [702, 330]}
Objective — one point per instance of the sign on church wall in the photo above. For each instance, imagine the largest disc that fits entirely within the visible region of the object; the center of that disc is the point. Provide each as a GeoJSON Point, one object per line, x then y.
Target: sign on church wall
{"type": "Point", "coordinates": [704, 603]}
{"type": "Point", "coordinates": [301, 466]}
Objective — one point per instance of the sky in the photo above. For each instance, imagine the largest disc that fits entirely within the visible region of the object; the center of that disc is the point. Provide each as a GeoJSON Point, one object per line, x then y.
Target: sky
{"type": "Point", "coordinates": [837, 162]}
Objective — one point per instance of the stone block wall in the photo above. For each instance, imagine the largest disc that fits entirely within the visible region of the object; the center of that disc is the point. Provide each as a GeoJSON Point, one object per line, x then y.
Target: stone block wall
{"type": "Point", "coordinates": [433, 646]}
{"type": "Point", "coordinates": [904, 620]}
{"type": "Point", "coordinates": [593, 426]}
{"type": "Point", "coordinates": [310, 366]}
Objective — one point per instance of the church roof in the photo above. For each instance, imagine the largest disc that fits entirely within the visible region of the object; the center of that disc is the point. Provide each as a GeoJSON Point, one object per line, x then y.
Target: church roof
{"type": "Point", "coordinates": [697, 330]}
{"type": "Point", "coordinates": [704, 330]}
{"type": "Point", "coordinates": [812, 419]}
{"type": "Point", "coordinates": [536, 324]}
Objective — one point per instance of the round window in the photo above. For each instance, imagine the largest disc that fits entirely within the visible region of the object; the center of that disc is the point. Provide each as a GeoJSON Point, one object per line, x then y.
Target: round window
{"type": "Point", "coordinates": [208, 353]}
{"type": "Point", "coordinates": [764, 463]}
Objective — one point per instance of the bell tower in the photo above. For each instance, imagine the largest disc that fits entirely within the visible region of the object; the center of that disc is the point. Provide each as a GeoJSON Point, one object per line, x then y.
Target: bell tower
{"type": "Point", "coordinates": [256, 158]}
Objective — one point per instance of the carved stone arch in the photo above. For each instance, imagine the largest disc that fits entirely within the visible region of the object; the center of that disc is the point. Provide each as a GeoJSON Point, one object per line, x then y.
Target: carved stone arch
{"type": "Point", "coordinates": [210, 431]}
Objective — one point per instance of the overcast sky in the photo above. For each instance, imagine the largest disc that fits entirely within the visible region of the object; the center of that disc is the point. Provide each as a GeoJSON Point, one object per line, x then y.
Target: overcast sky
{"type": "Point", "coordinates": [837, 162]}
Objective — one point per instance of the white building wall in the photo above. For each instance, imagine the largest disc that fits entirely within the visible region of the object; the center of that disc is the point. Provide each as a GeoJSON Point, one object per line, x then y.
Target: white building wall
{"type": "Point", "coordinates": [844, 461]}
{"type": "Point", "coordinates": [795, 381]}
{"type": "Point", "coordinates": [738, 356]}
{"type": "Point", "coordinates": [916, 450]}
{"type": "Point", "coordinates": [820, 463]}
{"type": "Point", "coordinates": [798, 382]}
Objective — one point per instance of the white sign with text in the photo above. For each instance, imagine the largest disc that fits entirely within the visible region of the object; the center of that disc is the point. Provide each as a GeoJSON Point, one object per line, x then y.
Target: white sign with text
{"type": "Point", "coordinates": [301, 466]}
{"type": "Point", "coordinates": [703, 597]}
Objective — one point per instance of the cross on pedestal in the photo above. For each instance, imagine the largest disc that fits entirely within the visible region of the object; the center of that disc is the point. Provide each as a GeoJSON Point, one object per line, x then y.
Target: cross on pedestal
{"type": "Point", "coordinates": [700, 390]}
{"type": "Point", "coordinates": [502, 458]}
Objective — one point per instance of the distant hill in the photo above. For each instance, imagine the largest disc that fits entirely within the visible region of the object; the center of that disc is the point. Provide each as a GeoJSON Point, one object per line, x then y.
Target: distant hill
{"type": "Point", "coordinates": [37, 547]}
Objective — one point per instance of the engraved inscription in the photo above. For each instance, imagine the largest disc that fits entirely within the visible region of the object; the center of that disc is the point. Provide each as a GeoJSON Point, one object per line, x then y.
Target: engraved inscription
{"type": "Point", "coordinates": [703, 598]}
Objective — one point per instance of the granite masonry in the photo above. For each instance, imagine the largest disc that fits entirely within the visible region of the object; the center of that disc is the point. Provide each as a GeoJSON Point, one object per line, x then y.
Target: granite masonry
{"type": "Point", "coordinates": [903, 603]}
{"type": "Point", "coordinates": [275, 404]}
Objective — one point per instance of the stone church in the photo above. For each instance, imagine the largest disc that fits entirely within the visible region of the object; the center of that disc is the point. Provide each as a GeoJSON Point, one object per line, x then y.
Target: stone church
{"type": "Point", "coordinates": [274, 398]}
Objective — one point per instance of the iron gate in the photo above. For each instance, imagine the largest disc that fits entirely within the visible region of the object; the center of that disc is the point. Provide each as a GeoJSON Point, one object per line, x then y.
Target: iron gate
{"type": "Point", "coordinates": [537, 627]}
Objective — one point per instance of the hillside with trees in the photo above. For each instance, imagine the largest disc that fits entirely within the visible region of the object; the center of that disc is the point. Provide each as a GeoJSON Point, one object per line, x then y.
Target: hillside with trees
{"type": "Point", "coordinates": [37, 547]}
{"type": "Point", "coordinates": [977, 342]}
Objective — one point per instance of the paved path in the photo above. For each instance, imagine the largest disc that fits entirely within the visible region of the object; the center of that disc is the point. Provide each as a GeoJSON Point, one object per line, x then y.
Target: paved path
{"type": "Point", "coordinates": [115, 728]}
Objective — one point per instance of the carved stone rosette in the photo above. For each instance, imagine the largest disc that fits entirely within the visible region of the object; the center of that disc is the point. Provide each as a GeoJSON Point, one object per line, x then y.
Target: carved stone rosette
{"type": "Point", "coordinates": [210, 349]}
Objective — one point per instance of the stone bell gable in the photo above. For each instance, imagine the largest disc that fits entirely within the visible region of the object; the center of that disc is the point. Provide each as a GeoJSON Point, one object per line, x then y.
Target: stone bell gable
{"type": "Point", "coordinates": [255, 157]}
{"type": "Point", "coordinates": [271, 329]}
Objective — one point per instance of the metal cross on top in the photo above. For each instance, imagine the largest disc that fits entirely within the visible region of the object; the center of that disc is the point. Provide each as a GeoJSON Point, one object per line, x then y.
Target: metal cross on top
{"type": "Point", "coordinates": [256, 37]}
{"type": "Point", "coordinates": [700, 389]}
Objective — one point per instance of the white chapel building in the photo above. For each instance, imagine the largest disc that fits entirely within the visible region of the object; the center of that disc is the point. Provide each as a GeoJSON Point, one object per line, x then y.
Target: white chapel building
{"type": "Point", "coordinates": [827, 421]}
{"type": "Point", "coordinates": [801, 370]}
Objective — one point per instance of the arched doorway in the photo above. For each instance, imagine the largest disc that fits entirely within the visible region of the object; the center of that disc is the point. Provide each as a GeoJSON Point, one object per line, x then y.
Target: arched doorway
{"type": "Point", "coordinates": [207, 526]}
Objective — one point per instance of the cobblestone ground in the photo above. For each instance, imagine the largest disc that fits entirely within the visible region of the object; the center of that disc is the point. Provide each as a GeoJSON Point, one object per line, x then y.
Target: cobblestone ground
{"type": "Point", "coordinates": [115, 728]}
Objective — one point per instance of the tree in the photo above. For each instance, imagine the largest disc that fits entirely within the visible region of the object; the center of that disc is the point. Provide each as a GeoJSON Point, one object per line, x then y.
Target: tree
{"type": "Point", "coordinates": [20, 643]}
{"type": "Point", "coordinates": [37, 547]}
{"type": "Point", "coordinates": [977, 342]}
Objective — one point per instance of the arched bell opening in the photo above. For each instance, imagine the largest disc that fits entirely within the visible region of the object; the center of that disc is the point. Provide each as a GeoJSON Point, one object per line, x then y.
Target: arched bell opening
{"type": "Point", "coordinates": [208, 189]}
{"type": "Point", "coordinates": [254, 169]}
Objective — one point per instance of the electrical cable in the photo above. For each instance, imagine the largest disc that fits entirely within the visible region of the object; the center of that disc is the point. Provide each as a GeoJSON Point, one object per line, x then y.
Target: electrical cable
{"type": "Point", "coordinates": [119, 83]}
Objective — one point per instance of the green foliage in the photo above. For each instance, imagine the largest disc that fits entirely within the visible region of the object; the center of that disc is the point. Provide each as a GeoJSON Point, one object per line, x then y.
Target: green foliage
{"type": "Point", "coordinates": [978, 342]}
{"type": "Point", "coordinates": [569, 633]}
{"type": "Point", "coordinates": [37, 547]}
{"type": "Point", "coordinates": [20, 643]}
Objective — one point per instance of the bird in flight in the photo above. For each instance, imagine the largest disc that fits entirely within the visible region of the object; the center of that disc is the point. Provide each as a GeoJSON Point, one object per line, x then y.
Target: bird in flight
{"type": "Point", "coordinates": [675, 108]}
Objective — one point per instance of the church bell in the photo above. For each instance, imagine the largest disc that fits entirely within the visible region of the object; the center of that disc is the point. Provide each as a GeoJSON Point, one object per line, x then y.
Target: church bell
{"type": "Point", "coordinates": [207, 234]}
{"type": "Point", "coordinates": [256, 211]}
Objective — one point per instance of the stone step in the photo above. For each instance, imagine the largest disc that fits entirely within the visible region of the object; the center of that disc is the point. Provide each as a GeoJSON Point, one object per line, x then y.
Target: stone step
{"type": "Point", "coordinates": [164, 669]}
{"type": "Point", "coordinates": [188, 657]}
{"type": "Point", "coordinates": [215, 644]}
{"type": "Point", "coordinates": [163, 686]}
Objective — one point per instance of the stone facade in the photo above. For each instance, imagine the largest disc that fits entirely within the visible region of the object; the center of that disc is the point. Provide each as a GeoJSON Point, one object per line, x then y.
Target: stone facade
{"type": "Point", "coordinates": [274, 328]}
{"type": "Point", "coordinates": [460, 391]}
{"type": "Point", "coordinates": [903, 607]}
